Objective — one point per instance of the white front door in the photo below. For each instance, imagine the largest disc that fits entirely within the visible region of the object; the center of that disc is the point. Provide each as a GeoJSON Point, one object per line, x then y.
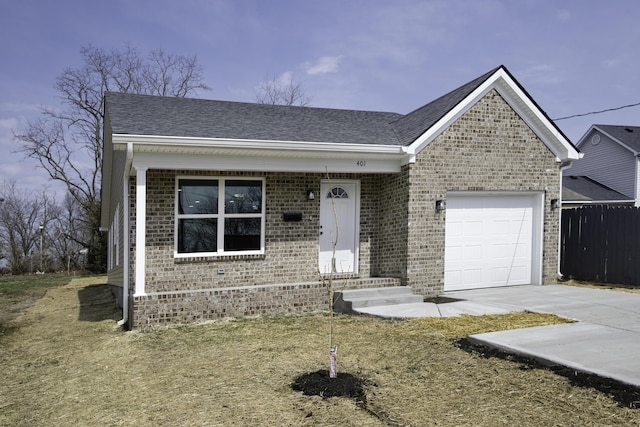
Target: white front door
{"type": "Point", "coordinates": [339, 226]}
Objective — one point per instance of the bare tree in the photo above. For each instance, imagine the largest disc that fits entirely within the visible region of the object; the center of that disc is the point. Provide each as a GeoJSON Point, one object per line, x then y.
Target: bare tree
{"type": "Point", "coordinates": [24, 221]}
{"type": "Point", "coordinates": [283, 90]}
{"type": "Point", "coordinates": [67, 236]}
{"type": "Point", "coordinates": [68, 142]}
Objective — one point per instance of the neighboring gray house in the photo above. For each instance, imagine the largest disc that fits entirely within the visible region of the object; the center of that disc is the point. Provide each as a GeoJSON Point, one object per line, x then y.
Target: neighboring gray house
{"type": "Point", "coordinates": [609, 172]}
{"type": "Point", "coordinates": [219, 209]}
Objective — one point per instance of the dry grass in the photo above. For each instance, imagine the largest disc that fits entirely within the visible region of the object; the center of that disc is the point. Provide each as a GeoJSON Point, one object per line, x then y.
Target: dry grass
{"type": "Point", "coordinates": [633, 289]}
{"type": "Point", "coordinates": [68, 364]}
{"type": "Point", "coordinates": [18, 293]}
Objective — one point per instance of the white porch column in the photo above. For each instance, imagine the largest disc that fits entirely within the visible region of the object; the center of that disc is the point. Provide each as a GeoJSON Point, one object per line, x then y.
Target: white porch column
{"type": "Point", "coordinates": [141, 229]}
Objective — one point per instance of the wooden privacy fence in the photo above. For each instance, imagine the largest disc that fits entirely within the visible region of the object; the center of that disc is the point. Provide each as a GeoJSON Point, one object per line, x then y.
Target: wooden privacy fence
{"type": "Point", "coordinates": [601, 243]}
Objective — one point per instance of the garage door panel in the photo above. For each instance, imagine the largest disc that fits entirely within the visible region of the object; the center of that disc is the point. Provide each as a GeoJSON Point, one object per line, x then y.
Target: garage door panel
{"type": "Point", "coordinates": [498, 275]}
{"type": "Point", "coordinates": [472, 253]}
{"type": "Point", "coordinates": [503, 250]}
{"type": "Point", "coordinates": [472, 229]}
{"type": "Point", "coordinates": [453, 276]}
{"type": "Point", "coordinates": [500, 228]}
{"type": "Point", "coordinates": [489, 241]}
{"type": "Point", "coordinates": [473, 276]}
{"type": "Point", "coordinates": [453, 253]}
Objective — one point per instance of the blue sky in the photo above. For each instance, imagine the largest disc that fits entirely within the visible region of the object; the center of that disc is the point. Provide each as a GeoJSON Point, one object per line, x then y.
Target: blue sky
{"type": "Point", "coordinates": [573, 56]}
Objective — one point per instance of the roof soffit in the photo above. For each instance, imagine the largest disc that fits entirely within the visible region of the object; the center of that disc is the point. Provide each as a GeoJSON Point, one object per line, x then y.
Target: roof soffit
{"type": "Point", "coordinates": [177, 145]}
{"type": "Point", "coordinates": [193, 153]}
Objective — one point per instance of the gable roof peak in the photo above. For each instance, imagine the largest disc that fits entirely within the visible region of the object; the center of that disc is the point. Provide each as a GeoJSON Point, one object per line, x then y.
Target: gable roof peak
{"type": "Point", "coordinates": [410, 126]}
{"type": "Point", "coordinates": [418, 128]}
{"type": "Point", "coordinates": [628, 136]}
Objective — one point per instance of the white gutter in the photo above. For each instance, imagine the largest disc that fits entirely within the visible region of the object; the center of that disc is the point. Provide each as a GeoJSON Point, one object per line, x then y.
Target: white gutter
{"type": "Point", "coordinates": [125, 238]}
{"type": "Point", "coordinates": [256, 144]}
{"type": "Point", "coordinates": [599, 202]}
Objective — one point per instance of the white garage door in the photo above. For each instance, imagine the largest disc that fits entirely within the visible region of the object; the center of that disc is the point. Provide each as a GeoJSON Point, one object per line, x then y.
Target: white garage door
{"type": "Point", "coordinates": [492, 240]}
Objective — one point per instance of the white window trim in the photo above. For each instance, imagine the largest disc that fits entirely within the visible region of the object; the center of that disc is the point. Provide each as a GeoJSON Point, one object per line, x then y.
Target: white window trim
{"type": "Point", "coordinates": [113, 259]}
{"type": "Point", "coordinates": [110, 243]}
{"type": "Point", "coordinates": [116, 237]}
{"type": "Point", "coordinates": [220, 215]}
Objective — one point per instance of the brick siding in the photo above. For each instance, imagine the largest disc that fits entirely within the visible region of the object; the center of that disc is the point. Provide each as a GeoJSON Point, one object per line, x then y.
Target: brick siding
{"type": "Point", "coordinates": [488, 149]}
{"type": "Point", "coordinates": [291, 252]}
{"type": "Point", "coordinates": [401, 235]}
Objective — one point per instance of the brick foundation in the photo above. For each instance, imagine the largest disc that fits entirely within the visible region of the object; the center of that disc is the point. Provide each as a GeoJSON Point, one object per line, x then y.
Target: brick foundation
{"type": "Point", "coordinates": [151, 311]}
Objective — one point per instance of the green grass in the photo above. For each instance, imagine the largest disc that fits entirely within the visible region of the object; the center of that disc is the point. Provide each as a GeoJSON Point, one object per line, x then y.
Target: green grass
{"type": "Point", "coordinates": [18, 293]}
{"type": "Point", "coordinates": [16, 286]}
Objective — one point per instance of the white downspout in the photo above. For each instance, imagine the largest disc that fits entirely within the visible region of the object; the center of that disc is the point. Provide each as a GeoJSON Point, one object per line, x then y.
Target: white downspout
{"type": "Point", "coordinates": [125, 236]}
{"type": "Point", "coordinates": [563, 167]}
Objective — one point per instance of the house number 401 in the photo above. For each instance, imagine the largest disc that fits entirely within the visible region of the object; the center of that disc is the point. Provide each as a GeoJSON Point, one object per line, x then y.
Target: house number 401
{"type": "Point", "coordinates": [361, 163]}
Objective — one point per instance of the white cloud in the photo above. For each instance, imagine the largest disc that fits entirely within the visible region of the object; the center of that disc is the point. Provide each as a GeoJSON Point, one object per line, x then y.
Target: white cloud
{"type": "Point", "coordinates": [323, 65]}
{"type": "Point", "coordinates": [610, 63]}
{"type": "Point", "coordinates": [285, 78]}
{"type": "Point", "coordinates": [8, 123]}
{"type": "Point", "coordinates": [563, 15]}
{"type": "Point", "coordinates": [12, 169]}
{"type": "Point", "coordinates": [20, 107]}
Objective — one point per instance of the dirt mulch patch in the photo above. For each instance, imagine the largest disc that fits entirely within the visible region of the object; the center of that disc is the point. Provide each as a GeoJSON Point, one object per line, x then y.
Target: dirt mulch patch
{"type": "Point", "coordinates": [319, 383]}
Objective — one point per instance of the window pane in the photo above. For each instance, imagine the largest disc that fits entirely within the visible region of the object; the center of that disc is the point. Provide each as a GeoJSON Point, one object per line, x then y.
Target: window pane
{"type": "Point", "coordinates": [337, 193]}
{"type": "Point", "coordinates": [197, 235]}
{"type": "Point", "coordinates": [198, 196]}
{"type": "Point", "coordinates": [242, 234]}
{"type": "Point", "coordinates": [242, 196]}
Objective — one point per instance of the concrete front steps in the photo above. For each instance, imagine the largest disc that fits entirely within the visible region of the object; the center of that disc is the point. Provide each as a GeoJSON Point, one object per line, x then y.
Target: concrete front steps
{"type": "Point", "coordinates": [399, 302]}
{"type": "Point", "coordinates": [358, 301]}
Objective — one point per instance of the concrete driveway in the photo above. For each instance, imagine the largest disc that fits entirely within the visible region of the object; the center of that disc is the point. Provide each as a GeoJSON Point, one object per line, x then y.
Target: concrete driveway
{"type": "Point", "coordinates": [604, 341]}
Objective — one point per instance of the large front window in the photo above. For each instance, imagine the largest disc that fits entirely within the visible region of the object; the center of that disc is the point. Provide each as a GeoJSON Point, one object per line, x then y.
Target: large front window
{"type": "Point", "coordinates": [217, 216]}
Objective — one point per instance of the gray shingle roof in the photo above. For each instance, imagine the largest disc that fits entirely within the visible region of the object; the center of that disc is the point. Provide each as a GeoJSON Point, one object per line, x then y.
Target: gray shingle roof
{"type": "Point", "coordinates": [414, 124]}
{"type": "Point", "coordinates": [200, 118]}
{"type": "Point", "coordinates": [628, 135]}
{"type": "Point", "coordinates": [583, 188]}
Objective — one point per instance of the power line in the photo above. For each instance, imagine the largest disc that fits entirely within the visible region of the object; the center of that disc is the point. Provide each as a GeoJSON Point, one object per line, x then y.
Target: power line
{"type": "Point", "coordinates": [597, 112]}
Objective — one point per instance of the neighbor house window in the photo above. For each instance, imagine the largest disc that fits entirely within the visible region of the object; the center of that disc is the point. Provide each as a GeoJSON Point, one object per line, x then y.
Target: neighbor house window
{"type": "Point", "coordinates": [114, 240]}
{"type": "Point", "coordinates": [218, 216]}
{"type": "Point", "coordinates": [116, 237]}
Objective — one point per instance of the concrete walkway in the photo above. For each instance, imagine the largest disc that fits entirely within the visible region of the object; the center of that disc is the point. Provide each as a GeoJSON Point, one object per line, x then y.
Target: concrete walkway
{"type": "Point", "coordinates": [605, 340]}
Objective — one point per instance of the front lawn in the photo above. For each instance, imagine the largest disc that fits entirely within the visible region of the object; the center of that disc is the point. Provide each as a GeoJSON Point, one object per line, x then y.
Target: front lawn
{"type": "Point", "coordinates": [67, 363]}
{"type": "Point", "coordinates": [17, 293]}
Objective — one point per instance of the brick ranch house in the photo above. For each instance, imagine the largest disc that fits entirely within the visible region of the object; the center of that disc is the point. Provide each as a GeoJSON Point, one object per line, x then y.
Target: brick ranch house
{"type": "Point", "coordinates": [218, 209]}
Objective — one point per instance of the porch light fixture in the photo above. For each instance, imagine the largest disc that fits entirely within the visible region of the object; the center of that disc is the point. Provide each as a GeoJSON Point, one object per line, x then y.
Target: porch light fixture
{"type": "Point", "coordinates": [310, 195]}
{"type": "Point", "coordinates": [554, 204]}
{"type": "Point", "coordinates": [441, 205]}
